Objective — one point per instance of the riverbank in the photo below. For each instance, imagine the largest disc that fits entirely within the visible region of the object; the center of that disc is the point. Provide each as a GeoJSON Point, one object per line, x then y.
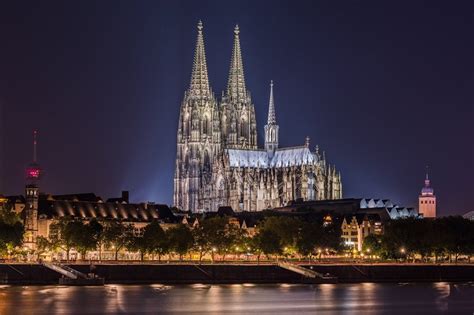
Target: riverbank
{"type": "Point", "coordinates": [32, 274]}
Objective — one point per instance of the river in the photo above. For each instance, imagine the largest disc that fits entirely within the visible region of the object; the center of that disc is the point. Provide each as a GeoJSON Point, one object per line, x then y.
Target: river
{"type": "Point", "coordinates": [362, 298]}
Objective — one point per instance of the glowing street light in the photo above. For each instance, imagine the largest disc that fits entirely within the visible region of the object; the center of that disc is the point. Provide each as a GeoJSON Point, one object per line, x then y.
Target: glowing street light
{"type": "Point", "coordinates": [402, 250]}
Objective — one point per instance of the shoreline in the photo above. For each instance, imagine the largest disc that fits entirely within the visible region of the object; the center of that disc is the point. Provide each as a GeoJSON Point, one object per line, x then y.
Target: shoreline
{"type": "Point", "coordinates": [36, 274]}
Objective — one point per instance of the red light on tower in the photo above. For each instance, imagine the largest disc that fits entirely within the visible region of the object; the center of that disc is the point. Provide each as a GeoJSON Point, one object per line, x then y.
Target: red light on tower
{"type": "Point", "coordinates": [33, 170]}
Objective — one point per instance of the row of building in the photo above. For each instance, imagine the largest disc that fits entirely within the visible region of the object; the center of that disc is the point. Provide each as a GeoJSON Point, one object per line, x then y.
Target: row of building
{"type": "Point", "coordinates": [357, 218]}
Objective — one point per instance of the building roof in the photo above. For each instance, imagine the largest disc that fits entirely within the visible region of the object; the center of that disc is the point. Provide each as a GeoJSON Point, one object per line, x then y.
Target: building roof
{"type": "Point", "coordinates": [361, 217]}
{"type": "Point", "coordinates": [427, 190]}
{"type": "Point", "coordinates": [127, 212]}
{"type": "Point", "coordinates": [283, 157]}
{"type": "Point", "coordinates": [469, 215]}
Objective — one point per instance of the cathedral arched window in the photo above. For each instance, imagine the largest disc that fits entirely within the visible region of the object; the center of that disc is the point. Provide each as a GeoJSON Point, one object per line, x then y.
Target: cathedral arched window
{"type": "Point", "coordinates": [206, 125]}
{"type": "Point", "coordinates": [244, 129]}
{"type": "Point", "coordinates": [207, 162]}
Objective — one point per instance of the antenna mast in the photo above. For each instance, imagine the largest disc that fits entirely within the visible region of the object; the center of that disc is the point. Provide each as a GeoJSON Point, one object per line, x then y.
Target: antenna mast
{"type": "Point", "coordinates": [35, 134]}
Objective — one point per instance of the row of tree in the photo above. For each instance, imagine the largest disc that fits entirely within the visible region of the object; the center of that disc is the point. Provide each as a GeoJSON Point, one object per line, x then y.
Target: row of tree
{"type": "Point", "coordinates": [275, 236]}
{"type": "Point", "coordinates": [447, 237]}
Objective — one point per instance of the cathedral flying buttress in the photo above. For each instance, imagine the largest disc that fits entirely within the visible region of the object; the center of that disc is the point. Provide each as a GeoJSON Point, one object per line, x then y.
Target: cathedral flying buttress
{"type": "Point", "coordinates": [218, 162]}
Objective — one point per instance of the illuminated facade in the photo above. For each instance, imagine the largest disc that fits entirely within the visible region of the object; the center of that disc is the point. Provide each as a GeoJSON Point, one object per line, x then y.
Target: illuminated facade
{"type": "Point", "coordinates": [218, 162]}
{"type": "Point", "coordinates": [356, 228]}
{"type": "Point", "coordinates": [427, 200]}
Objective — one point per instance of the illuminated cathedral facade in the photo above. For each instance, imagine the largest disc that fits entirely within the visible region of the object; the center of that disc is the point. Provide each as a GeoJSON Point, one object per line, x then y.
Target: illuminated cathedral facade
{"type": "Point", "coordinates": [218, 160]}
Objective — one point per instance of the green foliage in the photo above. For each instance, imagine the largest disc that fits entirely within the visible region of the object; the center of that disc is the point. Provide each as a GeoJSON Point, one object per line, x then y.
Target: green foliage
{"type": "Point", "coordinates": [428, 237]}
{"type": "Point", "coordinates": [181, 239]}
{"type": "Point", "coordinates": [11, 229]}
{"type": "Point", "coordinates": [308, 238]}
{"type": "Point", "coordinates": [8, 216]}
{"type": "Point", "coordinates": [67, 233]}
{"type": "Point", "coordinates": [117, 235]}
{"type": "Point", "coordinates": [268, 242]}
{"type": "Point", "coordinates": [11, 236]}
{"type": "Point", "coordinates": [373, 245]}
{"type": "Point", "coordinates": [215, 235]}
{"type": "Point", "coordinates": [285, 227]}
{"type": "Point", "coordinates": [156, 239]}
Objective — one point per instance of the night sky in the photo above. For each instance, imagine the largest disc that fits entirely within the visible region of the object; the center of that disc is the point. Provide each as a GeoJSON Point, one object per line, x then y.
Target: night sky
{"type": "Point", "coordinates": [384, 87]}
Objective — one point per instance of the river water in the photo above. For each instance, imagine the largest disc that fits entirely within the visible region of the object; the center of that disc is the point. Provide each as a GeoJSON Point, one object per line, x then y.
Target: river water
{"type": "Point", "coordinates": [363, 298]}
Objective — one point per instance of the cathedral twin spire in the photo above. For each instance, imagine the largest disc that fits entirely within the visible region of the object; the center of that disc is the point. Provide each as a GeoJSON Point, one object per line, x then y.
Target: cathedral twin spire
{"type": "Point", "coordinates": [199, 78]}
{"type": "Point", "coordinates": [236, 84]}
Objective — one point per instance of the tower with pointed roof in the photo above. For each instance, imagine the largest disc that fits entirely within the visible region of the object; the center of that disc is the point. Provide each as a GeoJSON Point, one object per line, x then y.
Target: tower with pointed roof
{"type": "Point", "coordinates": [30, 212]}
{"type": "Point", "coordinates": [427, 200]}
{"type": "Point", "coordinates": [271, 128]}
{"type": "Point", "coordinates": [238, 121]}
{"type": "Point", "coordinates": [199, 134]}
{"type": "Point", "coordinates": [218, 162]}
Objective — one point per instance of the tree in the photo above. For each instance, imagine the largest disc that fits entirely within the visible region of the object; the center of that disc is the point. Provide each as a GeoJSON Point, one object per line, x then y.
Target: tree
{"type": "Point", "coordinates": [42, 245]}
{"type": "Point", "coordinates": [97, 231]}
{"type": "Point", "coordinates": [136, 242]}
{"type": "Point", "coordinates": [201, 242]}
{"type": "Point", "coordinates": [285, 227]}
{"type": "Point", "coordinates": [373, 245]}
{"type": "Point", "coordinates": [181, 240]}
{"type": "Point", "coordinates": [156, 240]}
{"type": "Point", "coordinates": [459, 235]}
{"type": "Point", "coordinates": [11, 229]}
{"type": "Point", "coordinates": [308, 237]}
{"type": "Point", "coordinates": [60, 236]}
{"type": "Point", "coordinates": [268, 242]}
{"type": "Point", "coordinates": [213, 231]}
{"type": "Point", "coordinates": [242, 242]}
{"type": "Point", "coordinates": [82, 237]}
{"type": "Point", "coordinates": [11, 236]}
{"type": "Point", "coordinates": [117, 235]}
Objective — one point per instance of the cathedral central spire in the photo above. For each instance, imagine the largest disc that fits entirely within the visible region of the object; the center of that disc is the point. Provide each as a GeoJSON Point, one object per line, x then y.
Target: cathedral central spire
{"type": "Point", "coordinates": [236, 84]}
{"type": "Point", "coordinates": [271, 128]}
{"type": "Point", "coordinates": [199, 78]}
{"type": "Point", "coordinates": [271, 107]}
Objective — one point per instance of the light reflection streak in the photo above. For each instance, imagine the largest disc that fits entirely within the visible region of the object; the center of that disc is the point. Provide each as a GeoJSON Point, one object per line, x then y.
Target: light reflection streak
{"type": "Point", "coordinates": [363, 298]}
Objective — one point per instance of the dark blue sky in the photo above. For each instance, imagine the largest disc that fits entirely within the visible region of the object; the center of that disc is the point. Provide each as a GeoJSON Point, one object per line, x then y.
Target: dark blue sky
{"type": "Point", "coordinates": [385, 87]}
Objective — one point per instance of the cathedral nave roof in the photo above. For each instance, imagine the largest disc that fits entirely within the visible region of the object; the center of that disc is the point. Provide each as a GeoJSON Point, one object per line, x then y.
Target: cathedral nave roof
{"type": "Point", "coordinates": [283, 157]}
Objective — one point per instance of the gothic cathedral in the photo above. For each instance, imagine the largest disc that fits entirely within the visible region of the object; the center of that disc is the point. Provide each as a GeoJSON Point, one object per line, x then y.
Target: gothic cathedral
{"type": "Point", "coordinates": [218, 161]}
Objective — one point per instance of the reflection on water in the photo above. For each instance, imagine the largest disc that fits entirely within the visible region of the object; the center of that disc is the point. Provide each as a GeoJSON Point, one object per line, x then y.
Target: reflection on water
{"type": "Point", "coordinates": [363, 298]}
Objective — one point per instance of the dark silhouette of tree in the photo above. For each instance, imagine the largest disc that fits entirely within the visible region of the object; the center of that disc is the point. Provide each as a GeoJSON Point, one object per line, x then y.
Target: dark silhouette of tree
{"type": "Point", "coordinates": [181, 240]}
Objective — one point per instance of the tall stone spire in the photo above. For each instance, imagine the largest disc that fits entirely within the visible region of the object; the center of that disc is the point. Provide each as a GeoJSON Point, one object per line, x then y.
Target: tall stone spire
{"type": "Point", "coordinates": [271, 107]}
{"type": "Point", "coordinates": [236, 84]}
{"type": "Point", "coordinates": [199, 78]}
{"type": "Point", "coordinates": [271, 128]}
{"type": "Point", "coordinates": [238, 121]}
